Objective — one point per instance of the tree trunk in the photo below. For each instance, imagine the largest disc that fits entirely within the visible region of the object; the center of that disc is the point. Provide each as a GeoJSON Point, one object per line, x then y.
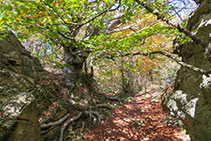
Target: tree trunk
{"type": "Point", "coordinates": [73, 67]}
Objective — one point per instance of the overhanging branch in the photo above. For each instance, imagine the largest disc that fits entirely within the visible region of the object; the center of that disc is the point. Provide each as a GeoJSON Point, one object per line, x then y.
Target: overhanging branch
{"type": "Point", "coordinates": [170, 55]}
{"type": "Point", "coordinates": [178, 26]}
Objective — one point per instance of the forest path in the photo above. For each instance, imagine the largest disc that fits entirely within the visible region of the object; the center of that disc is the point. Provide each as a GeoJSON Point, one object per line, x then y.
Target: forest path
{"type": "Point", "coordinates": [142, 119]}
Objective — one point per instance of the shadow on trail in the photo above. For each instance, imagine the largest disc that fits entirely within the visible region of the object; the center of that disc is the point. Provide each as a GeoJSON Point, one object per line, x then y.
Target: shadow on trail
{"type": "Point", "coordinates": [142, 119]}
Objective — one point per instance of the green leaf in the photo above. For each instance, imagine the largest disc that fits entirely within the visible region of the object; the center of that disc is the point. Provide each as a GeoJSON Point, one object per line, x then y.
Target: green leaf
{"type": "Point", "coordinates": [123, 20]}
{"type": "Point", "coordinates": [9, 8]}
{"type": "Point", "coordinates": [49, 1]}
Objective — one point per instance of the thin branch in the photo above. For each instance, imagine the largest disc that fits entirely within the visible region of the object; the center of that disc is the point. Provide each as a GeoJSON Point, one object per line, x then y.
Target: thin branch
{"type": "Point", "coordinates": [177, 13]}
{"type": "Point", "coordinates": [170, 55]}
{"type": "Point", "coordinates": [48, 24]}
{"type": "Point", "coordinates": [52, 40]}
{"type": "Point", "coordinates": [108, 55]}
{"type": "Point", "coordinates": [142, 29]}
{"type": "Point", "coordinates": [197, 1]}
{"type": "Point", "coordinates": [178, 26]}
{"type": "Point", "coordinates": [66, 37]}
{"type": "Point", "coordinates": [184, 2]}
{"type": "Point", "coordinates": [55, 12]}
{"type": "Point", "coordinates": [58, 38]}
{"type": "Point", "coordinates": [64, 22]}
{"type": "Point", "coordinates": [133, 30]}
{"type": "Point", "coordinates": [101, 13]}
{"type": "Point", "coordinates": [123, 28]}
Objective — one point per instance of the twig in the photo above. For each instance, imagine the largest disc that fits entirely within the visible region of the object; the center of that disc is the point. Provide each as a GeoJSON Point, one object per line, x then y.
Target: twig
{"type": "Point", "coordinates": [66, 124]}
{"type": "Point", "coordinates": [56, 122]}
{"type": "Point", "coordinates": [123, 28]}
{"type": "Point", "coordinates": [178, 26]}
{"type": "Point", "coordinates": [55, 12]}
{"type": "Point", "coordinates": [177, 13]}
{"type": "Point", "coordinates": [66, 37]}
{"type": "Point", "coordinates": [101, 13]}
{"type": "Point", "coordinates": [139, 30]}
{"type": "Point", "coordinates": [170, 55]}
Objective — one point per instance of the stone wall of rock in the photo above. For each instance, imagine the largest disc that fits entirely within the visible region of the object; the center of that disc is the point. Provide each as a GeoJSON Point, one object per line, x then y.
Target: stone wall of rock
{"type": "Point", "coordinates": [191, 98]}
{"type": "Point", "coordinates": [18, 90]}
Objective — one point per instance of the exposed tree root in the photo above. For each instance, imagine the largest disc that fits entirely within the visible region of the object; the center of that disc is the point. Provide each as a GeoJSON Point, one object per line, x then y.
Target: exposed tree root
{"type": "Point", "coordinates": [103, 106]}
{"type": "Point", "coordinates": [56, 122]}
{"type": "Point", "coordinates": [95, 115]}
{"type": "Point", "coordinates": [114, 98]}
{"type": "Point", "coordinates": [66, 121]}
{"type": "Point", "coordinates": [82, 127]}
{"type": "Point", "coordinates": [83, 100]}
{"type": "Point", "coordinates": [66, 124]}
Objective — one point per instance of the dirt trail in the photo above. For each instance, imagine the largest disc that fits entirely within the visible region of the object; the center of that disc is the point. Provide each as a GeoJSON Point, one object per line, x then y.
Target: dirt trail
{"type": "Point", "coordinates": [140, 120]}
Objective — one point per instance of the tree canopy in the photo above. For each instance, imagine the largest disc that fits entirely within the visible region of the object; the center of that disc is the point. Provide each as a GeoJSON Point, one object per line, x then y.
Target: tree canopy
{"type": "Point", "coordinates": [109, 28]}
{"type": "Point", "coordinates": [63, 22]}
{"type": "Point", "coordinates": [118, 44]}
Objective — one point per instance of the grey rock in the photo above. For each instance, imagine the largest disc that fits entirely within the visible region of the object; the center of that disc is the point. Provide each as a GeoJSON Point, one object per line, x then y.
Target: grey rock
{"type": "Point", "coordinates": [191, 99]}
{"type": "Point", "coordinates": [18, 110]}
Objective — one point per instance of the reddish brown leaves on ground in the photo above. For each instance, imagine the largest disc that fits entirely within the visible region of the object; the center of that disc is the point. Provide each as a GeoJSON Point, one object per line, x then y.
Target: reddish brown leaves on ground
{"type": "Point", "coordinates": [140, 120]}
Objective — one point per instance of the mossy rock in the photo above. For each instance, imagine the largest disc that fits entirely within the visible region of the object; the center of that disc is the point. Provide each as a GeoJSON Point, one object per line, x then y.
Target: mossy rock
{"type": "Point", "coordinates": [20, 92]}
{"type": "Point", "coordinates": [191, 99]}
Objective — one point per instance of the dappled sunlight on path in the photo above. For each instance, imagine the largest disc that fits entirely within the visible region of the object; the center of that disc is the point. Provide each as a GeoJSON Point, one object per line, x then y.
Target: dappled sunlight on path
{"type": "Point", "coordinates": [142, 119]}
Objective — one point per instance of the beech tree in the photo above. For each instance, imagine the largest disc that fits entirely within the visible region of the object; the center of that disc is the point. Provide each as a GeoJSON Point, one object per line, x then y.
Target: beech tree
{"type": "Point", "coordinates": [64, 23]}
{"type": "Point", "coordinates": [94, 27]}
{"type": "Point", "coordinates": [73, 24]}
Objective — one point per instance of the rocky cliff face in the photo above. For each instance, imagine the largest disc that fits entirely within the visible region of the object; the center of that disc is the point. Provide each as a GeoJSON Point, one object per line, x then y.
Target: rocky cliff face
{"type": "Point", "coordinates": [191, 99]}
{"type": "Point", "coordinates": [18, 91]}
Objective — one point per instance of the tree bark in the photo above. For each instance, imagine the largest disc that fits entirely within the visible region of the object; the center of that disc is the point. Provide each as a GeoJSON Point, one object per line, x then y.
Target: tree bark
{"type": "Point", "coordinates": [73, 67]}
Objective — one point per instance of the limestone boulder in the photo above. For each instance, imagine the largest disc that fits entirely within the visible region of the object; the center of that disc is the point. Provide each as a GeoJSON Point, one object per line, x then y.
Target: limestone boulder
{"type": "Point", "coordinates": [18, 90]}
{"type": "Point", "coordinates": [191, 99]}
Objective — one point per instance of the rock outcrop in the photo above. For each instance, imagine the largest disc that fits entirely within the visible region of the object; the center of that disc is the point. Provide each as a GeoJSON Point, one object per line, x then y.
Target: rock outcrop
{"type": "Point", "coordinates": [191, 98]}
{"type": "Point", "coordinates": [18, 91]}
